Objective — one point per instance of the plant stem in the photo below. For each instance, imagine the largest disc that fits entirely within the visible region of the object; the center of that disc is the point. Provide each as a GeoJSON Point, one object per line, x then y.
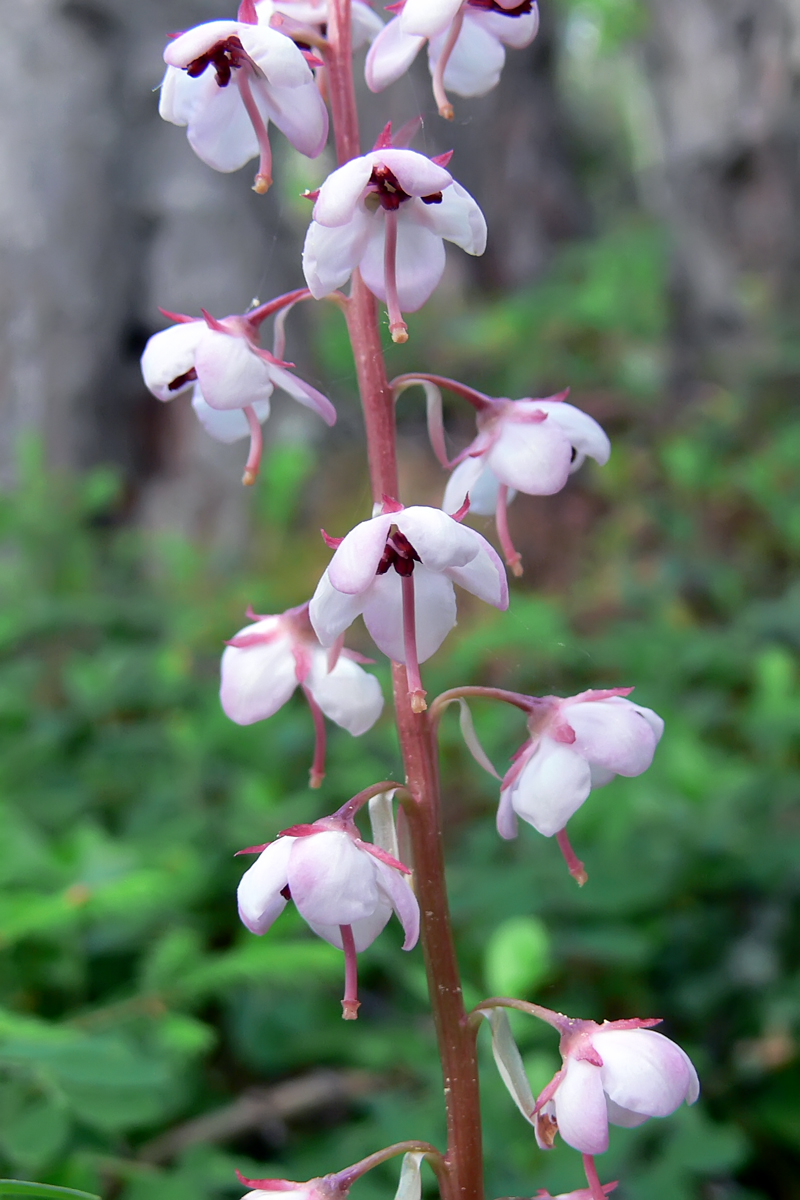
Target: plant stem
{"type": "Point", "coordinates": [462, 1176]}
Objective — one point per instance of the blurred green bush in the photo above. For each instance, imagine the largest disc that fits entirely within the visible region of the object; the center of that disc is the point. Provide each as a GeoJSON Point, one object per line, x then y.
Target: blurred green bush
{"type": "Point", "coordinates": [133, 1001]}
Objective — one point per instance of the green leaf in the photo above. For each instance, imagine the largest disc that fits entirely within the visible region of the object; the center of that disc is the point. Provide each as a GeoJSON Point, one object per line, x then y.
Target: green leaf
{"type": "Point", "coordinates": [41, 1191]}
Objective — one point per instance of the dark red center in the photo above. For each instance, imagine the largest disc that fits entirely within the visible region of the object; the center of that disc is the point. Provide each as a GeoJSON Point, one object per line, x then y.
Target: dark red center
{"type": "Point", "coordinates": [226, 57]}
{"type": "Point", "coordinates": [398, 553]}
{"type": "Point", "coordinates": [383, 184]}
{"type": "Point", "coordinates": [179, 380]}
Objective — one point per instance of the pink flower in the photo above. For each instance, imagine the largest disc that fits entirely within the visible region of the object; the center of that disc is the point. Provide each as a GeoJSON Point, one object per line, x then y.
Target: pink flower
{"type": "Point", "coordinates": [328, 1188]}
{"type": "Point", "coordinates": [398, 570]}
{"type": "Point", "coordinates": [466, 44]}
{"type": "Point", "coordinates": [387, 214]}
{"type": "Point", "coordinates": [620, 1072]}
{"type": "Point", "coordinates": [266, 661]}
{"type": "Point", "coordinates": [345, 888]}
{"type": "Point", "coordinates": [575, 744]}
{"type": "Point", "coordinates": [227, 125]}
{"type": "Point", "coordinates": [231, 376]}
{"type": "Point", "coordinates": [530, 446]}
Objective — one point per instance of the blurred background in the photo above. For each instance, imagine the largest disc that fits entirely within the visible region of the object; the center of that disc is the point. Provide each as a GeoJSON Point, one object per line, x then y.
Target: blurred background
{"type": "Point", "coordinates": [640, 169]}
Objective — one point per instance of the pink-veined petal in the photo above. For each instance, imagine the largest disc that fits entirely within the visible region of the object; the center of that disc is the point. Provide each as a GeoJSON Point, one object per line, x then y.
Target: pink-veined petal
{"type": "Point", "coordinates": [226, 425]}
{"type": "Point", "coordinates": [390, 55]}
{"type": "Point", "coordinates": [458, 219]}
{"type": "Point", "coordinates": [438, 539]}
{"type": "Point", "coordinates": [477, 60]}
{"type": "Point", "coordinates": [353, 566]}
{"type": "Point", "coordinates": [426, 18]}
{"type": "Point", "coordinates": [485, 576]}
{"type": "Point", "coordinates": [331, 611]}
{"type": "Point", "coordinates": [330, 255]}
{"type": "Point", "coordinates": [257, 680]}
{"type": "Point", "coordinates": [230, 373]}
{"type": "Point", "coordinates": [420, 260]}
{"type": "Point", "coordinates": [259, 894]}
{"type": "Point", "coordinates": [398, 891]}
{"type": "Point", "coordinates": [332, 882]}
{"type": "Point", "coordinates": [532, 458]}
{"type": "Point", "coordinates": [581, 1108]}
{"type": "Point", "coordinates": [615, 734]}
{"type": "Point", "coordinates": [340, 193]}
{"type": "Point", "coordinates": [434, 609]}
{"type": "Point", "coordinates": [552, 786]}
{"type": "Point", "coordinates": [643, 1071]}
{"type": "Point", "coordinates": [516, 32]}
{"type": "Point", "coordinates": [299, 113]}
{"type": "Point", "coordinates": [347, 695]}
{"type": "Point", "coordinates": [196, 42]}
{"type": "Point", "coordinates": [169, 355]}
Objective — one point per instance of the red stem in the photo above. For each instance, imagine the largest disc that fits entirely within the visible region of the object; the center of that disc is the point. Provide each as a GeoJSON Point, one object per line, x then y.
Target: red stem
{"type": "Point", "coordinates": [462, 1176]}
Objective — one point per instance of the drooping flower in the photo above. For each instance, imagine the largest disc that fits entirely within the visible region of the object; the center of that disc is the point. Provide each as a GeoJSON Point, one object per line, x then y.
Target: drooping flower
{"type": "Point", "coordinates": [466, 44]}
{"type": "Point", "coordinates": [387, 214]}
{"type": "Point", "coordinates": [618, 1073]}
{"type": "Point", "coordinates": [226, 80]}
{"type": "Point", "coordinates": [575, 744]}
{"type": "Point", "coordinates": [530, 446]}
{"type": "Point", "coordinates": [326, 1188]}
{"type": "Point", "coordinates": [306, 20]}
{"type": "Point", "coordinates": [266, 661]}
{"type": "Point", "coordinates": [345, 888]}
{"type": "Point", "coordinates": [398, 570]}
{"type": "Point", "coordinates": [232, 377]}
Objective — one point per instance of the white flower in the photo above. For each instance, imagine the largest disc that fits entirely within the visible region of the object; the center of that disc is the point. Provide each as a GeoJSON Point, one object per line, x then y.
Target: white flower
{"type": "Point", "coordinates": [387, 214]}
{"type": "Point", "coordinates": [296, 17]}
{"type": "Point", "coordinates": [226, 80]}
{"type": "Point", "coordinates": [466, 44]}
{"type": "Point", "coordinates": [398, 570]}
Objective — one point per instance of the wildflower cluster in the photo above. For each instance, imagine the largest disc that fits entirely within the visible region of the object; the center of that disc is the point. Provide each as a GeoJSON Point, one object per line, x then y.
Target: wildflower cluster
{"type": "Point", "coordinates": [377, 228]}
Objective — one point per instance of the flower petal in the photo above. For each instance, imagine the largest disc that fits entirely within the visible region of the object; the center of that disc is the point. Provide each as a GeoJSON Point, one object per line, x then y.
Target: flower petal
{"type": "Point", "coordinates": [259, 893]}
{"type": "Point", "coordinates": [615, 733]}
{"type": "Point", "coordinates": [420, 259]}
{"type": "Point", "coordinates": [532, 458]}
{"type": "Point", "coordinates": [226, 425]}
{"type": "Point", "coordinates": [353, 566]}
{"type": "Point", "coordinates": [177, 97]}
{"type": "Point", "coordinates": [438, 539]}
{"type": "Point", "coordinates": [230, 373]}
{"type": "Point", "coordinates": [340, 193]}
{"type": "Point", "coordinates": [331, 611]}
{"type": "Point", "coordinates": [219, 129]}
{"type": "Point", "coordinates": [581, 1107]}
{"type": "Point", "coordinates": [645, 1072]}
{"type": "Point", "coordinates": [332, 882]}
{"type": "Point", "coordinates": [390, 55]}
{"type": "Point", "coordinates": [299, 113]}
{"type": "Point", "coordinates": [330, 255]}
{"type": "Point", "coordinates": [553, 785]}
{"type": "Point", "coordinates": [347, 695]}
{"type": "Point", "coordinates": [183, 50]}
{"type": "Point", "coordinates": [464, 481]}
{"type": "Point", "coordinates": [276, 55]}
{"type": "Point", "coordinates": [426, 18]}
{"type": "Point", "coordinates": [517, 32]}
{"type": "Point", "coordinates": [168, 355]}
{"type": "Point", "coordinates": [588, 438]}
{"type": "Point", "coordinates": [398, 892]}
{"type": "Point", "coordinates": [434, 609]}
{"type": "Point", "coordinates": [416, 173]}
{"type": "Point", "coordinates": [507, 824]}
{"type": "Point", "coordinates": [303, 393]}
{"type": "Point", "coordinates": [458, 219]}
{"type": "Point", "coordinates": [366, 24]}
{"type": "Point", "coordinates": [364, 931]}
{"type": "Point", "coordinates": [257, 680]}
{"type": "Point", "coordinates": [485, 576]}
{"type": "Point", "coordinates": [476, 62]}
